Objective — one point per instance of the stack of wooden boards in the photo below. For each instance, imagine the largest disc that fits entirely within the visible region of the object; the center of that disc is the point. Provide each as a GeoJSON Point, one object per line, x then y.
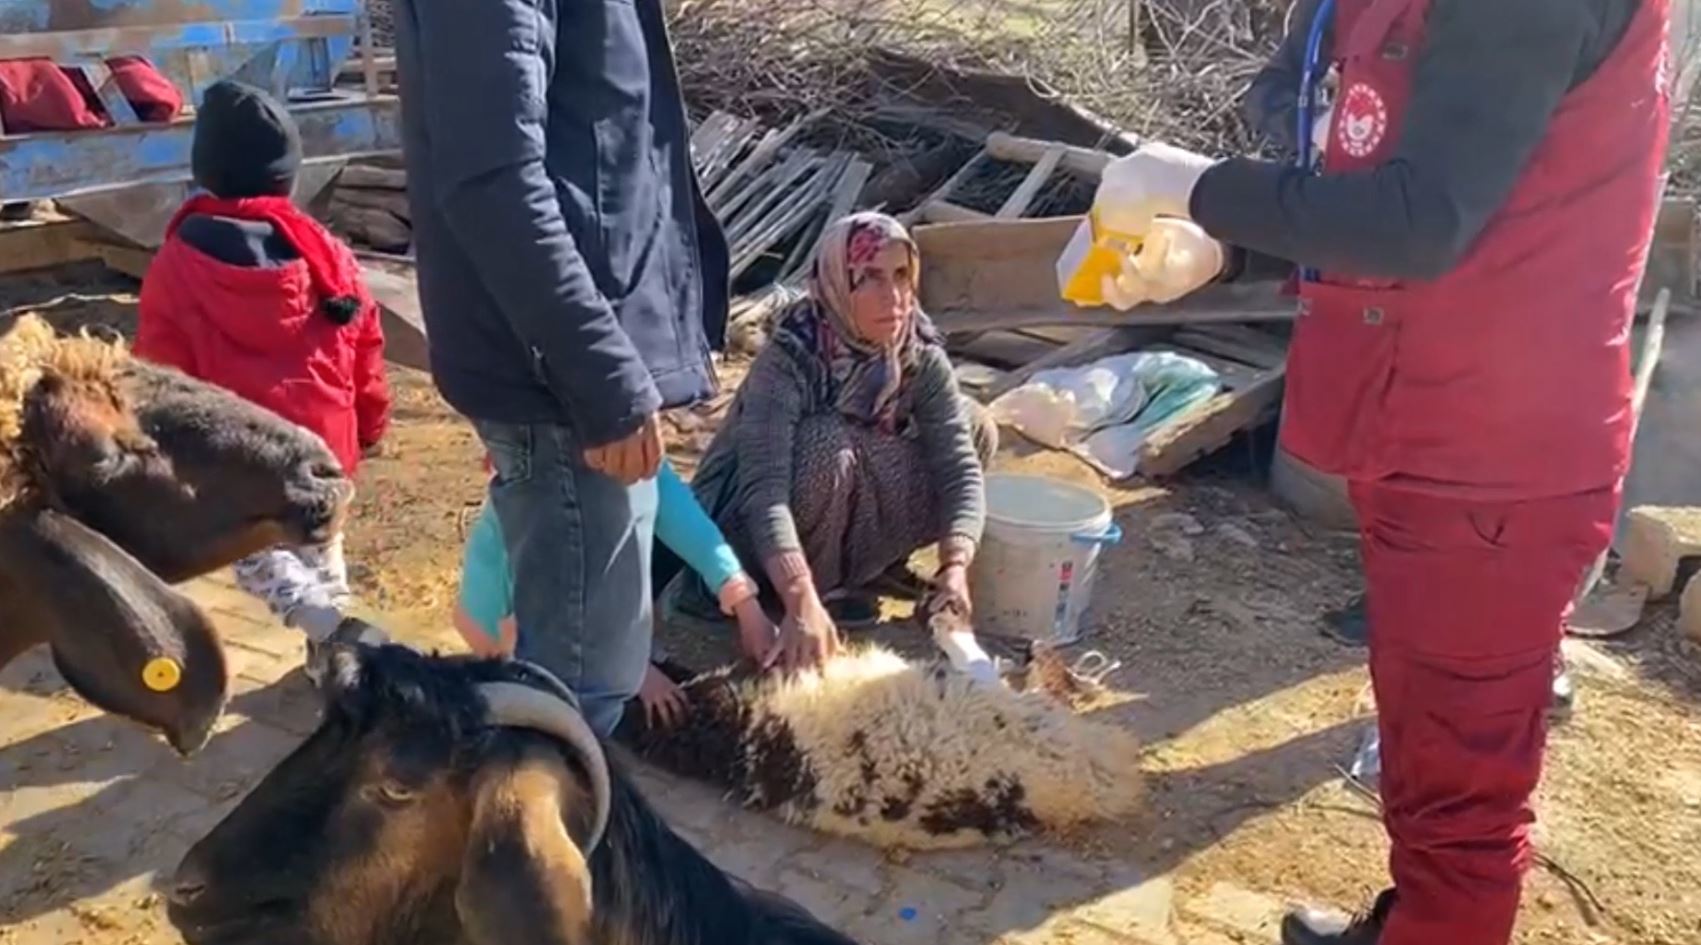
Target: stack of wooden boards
{"type": "Point", "coordinates": [771, 195]}
{"type": "Point", "coordinates": [766, 191]}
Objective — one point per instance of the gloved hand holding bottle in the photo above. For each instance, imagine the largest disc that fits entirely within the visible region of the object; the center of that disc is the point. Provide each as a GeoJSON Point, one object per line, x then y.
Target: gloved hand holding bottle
{"type": "Point", "coordinates": [1147, 195]}
{"type": "Point", "coordinates": [1175, 258]}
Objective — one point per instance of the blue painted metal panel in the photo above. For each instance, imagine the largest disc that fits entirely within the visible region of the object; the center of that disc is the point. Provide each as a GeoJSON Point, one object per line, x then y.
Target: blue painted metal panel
{"type": "Point", "coordinates": [194, 43]}
{"type": "Point", "coordinates": [41, 166]}
{"type": "Point", "coordinates": [18, 16]}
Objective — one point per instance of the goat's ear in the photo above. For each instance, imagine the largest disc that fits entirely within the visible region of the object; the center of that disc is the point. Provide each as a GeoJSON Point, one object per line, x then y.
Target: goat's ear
{"type": "Point", "coordinates": [522, 877]}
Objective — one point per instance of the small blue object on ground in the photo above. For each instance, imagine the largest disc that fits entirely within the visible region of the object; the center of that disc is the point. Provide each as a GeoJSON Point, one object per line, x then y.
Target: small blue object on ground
{"type": "Point", "coordinates": [907, 913]}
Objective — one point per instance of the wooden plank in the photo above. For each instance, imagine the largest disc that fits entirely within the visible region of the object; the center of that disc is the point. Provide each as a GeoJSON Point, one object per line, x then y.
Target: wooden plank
{"type": "Point", "coordinates": [1099, 344]}
{"type": "Point", "coordinates": [1003, 349]}
{"type": "Point", "coordinates": [1082, 162]}
{"type": "Point", "coordinates": [367, 177]}
{"type": "Point", "coordinates": [765, 150]}
{"type": "Point", "coordinates": [42, 244]}
{"type": "Point", "coordinates": [1059, 334]}
{"type": "Point", "coordinates": [1198, 312]}
{"type": "Point", "coordinates": [132, 261]}
{"type": "Point", "coordinates": [709, 134]}
{"type": "Point", "coordinates": [1258, 357]}
{"type": "Point", "coordinates": [355, 67]}
{"type": "Point", "coordinates": [944, 211]}
{"type": "Point", "coordinates": [1024, 195]}
{"type": "Point", "coordinates": [1177, 445]}
{"type": "Point", "coordinates": [1003, 274]}
{"type": "Point", "coordinates": [975, 378]}
{"type": "Point", "coordinates": [1673, 253]}
{"type": "Point", "coordinates": [789, 216]}
{"type": "Point", "coordinates": [1268, 341]}
{"type": "Point", "coordinates": [396, 289]}
{"type": "Point", "coordinates": [845, 193]}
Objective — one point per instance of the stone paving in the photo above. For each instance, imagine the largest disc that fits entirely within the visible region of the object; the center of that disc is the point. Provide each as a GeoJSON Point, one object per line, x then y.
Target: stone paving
{"type": "Point", "coordinates": [92, 809]}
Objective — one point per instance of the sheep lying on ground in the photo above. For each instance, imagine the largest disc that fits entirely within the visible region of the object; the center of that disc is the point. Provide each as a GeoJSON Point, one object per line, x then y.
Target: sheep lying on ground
{"type": "Point", "coordinates": [897, 754]}
{"type": "Point", "coordinates": [455, 801]}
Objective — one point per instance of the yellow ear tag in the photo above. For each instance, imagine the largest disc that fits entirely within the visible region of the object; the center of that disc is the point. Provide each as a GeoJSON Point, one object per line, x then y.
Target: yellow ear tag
{"type": "Point", "coordinates": [162, 674]}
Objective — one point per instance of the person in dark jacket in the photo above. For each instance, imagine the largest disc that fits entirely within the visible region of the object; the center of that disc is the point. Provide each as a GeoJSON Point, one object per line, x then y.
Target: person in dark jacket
{"type": "Point", "coordinates": [1472, 232]}
{"type": "Point", "coordinates": [572, 282]}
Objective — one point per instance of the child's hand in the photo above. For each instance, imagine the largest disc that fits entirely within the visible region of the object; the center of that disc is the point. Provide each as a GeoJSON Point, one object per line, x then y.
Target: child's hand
{"type": "Point", "coordinates": [664, 702]}
{"type": "Point", "coordinates": [756, 633]}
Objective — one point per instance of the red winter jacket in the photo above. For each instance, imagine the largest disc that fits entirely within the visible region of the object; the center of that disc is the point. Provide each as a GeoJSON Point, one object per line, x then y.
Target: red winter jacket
{"type": "Point", "coordinates": [260, 334]}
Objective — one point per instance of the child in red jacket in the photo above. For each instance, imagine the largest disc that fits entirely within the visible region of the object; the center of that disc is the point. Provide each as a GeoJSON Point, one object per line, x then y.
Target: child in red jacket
{"type": "Point", "coordinates": [252, 294]}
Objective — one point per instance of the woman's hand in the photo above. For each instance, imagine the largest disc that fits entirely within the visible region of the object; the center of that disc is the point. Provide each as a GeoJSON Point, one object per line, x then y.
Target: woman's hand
{"type": "Point", "coordinates": [664, 702]}
{"type": "Point", "coordinates": [951, 589]}
{"type": "Point", "coordinates": [756, 633]}
{"type": "Point", "coordinates": [807, 636]}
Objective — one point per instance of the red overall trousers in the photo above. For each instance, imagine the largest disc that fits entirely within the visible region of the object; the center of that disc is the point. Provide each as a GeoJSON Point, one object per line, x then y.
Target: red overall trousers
{"type": "Point", "coordinates": [1483, 422]}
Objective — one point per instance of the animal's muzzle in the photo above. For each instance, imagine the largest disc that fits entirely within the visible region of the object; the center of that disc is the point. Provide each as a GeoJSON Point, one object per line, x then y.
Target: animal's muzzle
{"type": "Point", "coordinates": [322, 502]}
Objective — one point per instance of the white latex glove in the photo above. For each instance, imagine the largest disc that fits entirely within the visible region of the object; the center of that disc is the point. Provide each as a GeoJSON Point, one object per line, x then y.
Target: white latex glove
{"type": "Point", "coordinates": [1176, 258]}
{"type": "Point", "coordinates": [967, 657]}
{"type": "Point", "coordinates": [1157, 180]}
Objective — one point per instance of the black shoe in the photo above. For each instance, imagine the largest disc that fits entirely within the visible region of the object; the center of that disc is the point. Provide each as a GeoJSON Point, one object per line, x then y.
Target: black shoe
{"type": "Point", "coordinates": [1349, 624]}
{"type": "Point", "coordinates": [1317, 927]}
{"type": "Point", "coordinates": [351, 630]}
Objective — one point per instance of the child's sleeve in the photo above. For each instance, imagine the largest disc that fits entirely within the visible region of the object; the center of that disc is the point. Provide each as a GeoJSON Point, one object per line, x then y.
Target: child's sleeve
{"type": "Point", "coordinates": [372, 386]}
{"type": "Point", "coordinates": [487, 594]}
{"type": "Point", "coordinates": [159, 337]}
{"type": "Point", "coordinates": [682, 525]}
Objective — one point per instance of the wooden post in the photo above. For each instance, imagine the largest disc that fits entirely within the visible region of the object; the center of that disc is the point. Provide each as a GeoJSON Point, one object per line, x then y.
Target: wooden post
{"type": "Point", "coordinates": [368, 52]}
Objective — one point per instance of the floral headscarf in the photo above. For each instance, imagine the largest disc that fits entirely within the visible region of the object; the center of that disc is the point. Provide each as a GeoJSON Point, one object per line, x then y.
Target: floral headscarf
{"type": "Point", "coordinates": [865, 380]}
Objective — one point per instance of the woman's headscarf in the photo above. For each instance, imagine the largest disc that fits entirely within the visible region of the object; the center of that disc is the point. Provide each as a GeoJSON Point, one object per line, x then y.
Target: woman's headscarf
{"type": "Point", "coordinates": [866, 380]}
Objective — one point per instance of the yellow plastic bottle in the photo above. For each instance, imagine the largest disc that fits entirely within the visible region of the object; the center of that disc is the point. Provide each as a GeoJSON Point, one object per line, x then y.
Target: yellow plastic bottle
{"type": "Point", "coordinates": [1112, 230]}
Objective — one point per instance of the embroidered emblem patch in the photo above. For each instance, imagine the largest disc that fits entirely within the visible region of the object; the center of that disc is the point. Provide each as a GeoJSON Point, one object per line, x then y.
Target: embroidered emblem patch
{"type": "Point", "coordinates": [1364, 121]}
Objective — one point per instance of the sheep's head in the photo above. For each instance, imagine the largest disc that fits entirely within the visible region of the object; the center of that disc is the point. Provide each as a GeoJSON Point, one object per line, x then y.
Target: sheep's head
{"type": "Point", "coordinates": [120, 636]}
{"type": "Point", "coordinates": [440, 800]}
{"type": "Point", "coordinates": [182, 474]}
{"type": "Point", "coordinates": [236, 478]}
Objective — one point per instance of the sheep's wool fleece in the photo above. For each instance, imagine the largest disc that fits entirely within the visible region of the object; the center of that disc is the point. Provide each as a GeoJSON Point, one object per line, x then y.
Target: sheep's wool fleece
{"type": "Point", "coordinates": [912, 755]}
{"type": "Point", "coordinates": [29, 348]}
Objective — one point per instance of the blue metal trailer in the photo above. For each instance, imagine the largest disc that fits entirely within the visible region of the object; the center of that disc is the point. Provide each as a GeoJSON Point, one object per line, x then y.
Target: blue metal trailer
{"type": "Point", "coordinates": [129, 176]}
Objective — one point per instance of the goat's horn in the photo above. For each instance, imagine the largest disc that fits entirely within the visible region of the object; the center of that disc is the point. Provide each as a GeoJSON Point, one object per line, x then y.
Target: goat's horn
{"type": "Point", "coordinates": [514, 705]}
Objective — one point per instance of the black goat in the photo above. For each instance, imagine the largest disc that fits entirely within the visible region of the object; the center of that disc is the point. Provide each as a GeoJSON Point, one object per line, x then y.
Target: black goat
{"type": "Point", "coordinates": [453, 800]}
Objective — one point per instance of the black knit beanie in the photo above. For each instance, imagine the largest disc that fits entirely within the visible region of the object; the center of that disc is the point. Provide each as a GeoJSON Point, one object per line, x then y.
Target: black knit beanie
{"type": "Point", "coordinates": [246, 143]}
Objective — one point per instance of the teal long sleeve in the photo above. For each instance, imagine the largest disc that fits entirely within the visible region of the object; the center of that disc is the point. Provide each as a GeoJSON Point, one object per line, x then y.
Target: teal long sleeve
{"type": "Point", "coordinates": [683, 526]}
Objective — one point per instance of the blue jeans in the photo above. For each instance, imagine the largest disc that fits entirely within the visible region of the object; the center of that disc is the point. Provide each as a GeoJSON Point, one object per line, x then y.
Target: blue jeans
{"type": "Point", "coordinates": [579, 546]}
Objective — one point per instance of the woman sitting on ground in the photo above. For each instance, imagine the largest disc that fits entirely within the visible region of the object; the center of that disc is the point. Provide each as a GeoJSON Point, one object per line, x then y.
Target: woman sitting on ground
{"type": "Point", "coordinates": [849, 447]}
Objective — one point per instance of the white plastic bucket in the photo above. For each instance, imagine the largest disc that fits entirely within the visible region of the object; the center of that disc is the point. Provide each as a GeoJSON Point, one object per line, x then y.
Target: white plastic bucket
{"type": "Point", "coordinates": [1034, 572]}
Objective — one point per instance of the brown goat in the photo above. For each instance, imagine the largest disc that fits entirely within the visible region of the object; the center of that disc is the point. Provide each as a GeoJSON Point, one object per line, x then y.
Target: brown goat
{"type": "Point", "coordinates": [456, 801]}
{"type": "Point", "coordinates": [117, 477]}
{"type": "Point", "coordinates": [183, 474]}
{"type": "Point", "coordinates": [124, 640]}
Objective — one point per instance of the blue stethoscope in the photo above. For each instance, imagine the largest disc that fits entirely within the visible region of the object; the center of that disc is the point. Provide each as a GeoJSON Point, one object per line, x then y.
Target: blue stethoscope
{"type": "Point", "coordinates": [1308, 95]}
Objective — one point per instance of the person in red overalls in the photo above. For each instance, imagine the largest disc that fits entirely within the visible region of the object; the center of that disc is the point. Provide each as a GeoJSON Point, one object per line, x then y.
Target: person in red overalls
{"type": "Point", "coordinates": [1471, 241]}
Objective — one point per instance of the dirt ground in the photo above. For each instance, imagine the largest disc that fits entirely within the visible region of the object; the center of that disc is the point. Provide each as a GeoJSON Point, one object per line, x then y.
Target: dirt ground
{"type": "Point", "coordinates": [1212, 604]}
